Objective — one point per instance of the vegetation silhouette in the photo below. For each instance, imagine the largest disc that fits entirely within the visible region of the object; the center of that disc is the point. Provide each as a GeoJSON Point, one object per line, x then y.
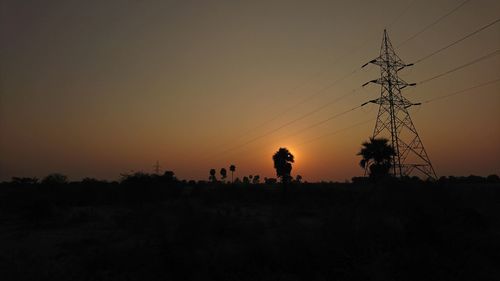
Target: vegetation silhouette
{"type": "Point", "coordinates": [55, 179]}
{"type": "Point", "coordinates": [169, 176]}
{"type": "Point", "coordinates": [212, 177]}
{"type": "Point", "coordinates": [376, 157]}
{"type": "Point", "coordinates": [256, 179]}
{"type": "Point", "coordinates": [22, 181]}
{"type": "Point", "coordinates": [283, 160]}
{"type": "Point", "coordinates": [223, 174]}
{"type": "Point", "coordinates": [298, 179]}
{"type": "Point", "coordinates": [246, 180]}
{"type": "Point", "coordinates": [157, 227]}
{"type": "Point", "coordinates": [232, 168]}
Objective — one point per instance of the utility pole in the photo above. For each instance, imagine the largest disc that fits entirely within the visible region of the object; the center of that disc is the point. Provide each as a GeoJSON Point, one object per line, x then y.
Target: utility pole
{"type": "Point", "coordinates": [393, 119]}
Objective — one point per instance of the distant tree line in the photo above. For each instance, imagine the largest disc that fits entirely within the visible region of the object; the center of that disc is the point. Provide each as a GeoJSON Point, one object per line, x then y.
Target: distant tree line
{"type": "Point", "coordinates": [168, 177]}
{"type": "Point", "coordinates": [376, 155]}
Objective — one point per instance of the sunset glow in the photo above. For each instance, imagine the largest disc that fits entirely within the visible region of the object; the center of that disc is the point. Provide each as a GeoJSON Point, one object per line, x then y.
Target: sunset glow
{"type": "Point", "coordinates": [99, 89]}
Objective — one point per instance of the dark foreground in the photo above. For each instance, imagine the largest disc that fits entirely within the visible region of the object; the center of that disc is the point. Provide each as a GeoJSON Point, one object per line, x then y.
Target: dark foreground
{"type": "Point", "coordinates": [175, 231]}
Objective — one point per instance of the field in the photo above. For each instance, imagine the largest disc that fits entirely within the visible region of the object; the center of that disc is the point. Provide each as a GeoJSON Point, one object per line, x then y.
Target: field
{"type": "Point", "coordinates": [211, 231]}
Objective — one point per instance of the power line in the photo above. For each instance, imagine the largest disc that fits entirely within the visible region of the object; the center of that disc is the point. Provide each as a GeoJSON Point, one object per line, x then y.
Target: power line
{"type": "Point", "coordinates": [350, 51]}
{"type": "Point", "coordinates": [352, 109]}
{"type": "Point", "coordinates": [318, 74]}
{"type": "Point", "coordinates": [312, 96]}
{"type": "Point", "coordinates": [300, 117]}
{"type": "Point", "coordinates": [321, 107]}
{"type": "Point", "coordinates": [296, 120]}
{"type": "Point", "coordinates": [315, 94]}
{"type": "Point", "coordinates": [494, 81]}
{"type": "Point", "coordinates": [318, 92]}
{"type": "Point", "coordinates": [403, 11]}
{"type": "Point", "coordinates": [463, 90]}
{"type": "Point", "coordinates": [323, 121]}
{"type": "Point", "coordinates": [487, 56]}
{"type": "Point", "coordinates": [458, 41]}
{"type": "Point", "coordinates": [335, 132]}
{"type": "Point", "coordinates": [306, 99]}
{"type": "Point", "coordinates": [433, 23]}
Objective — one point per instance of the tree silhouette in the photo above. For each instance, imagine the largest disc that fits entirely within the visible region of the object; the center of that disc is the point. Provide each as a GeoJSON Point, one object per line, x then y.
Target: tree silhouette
{"type": "Point", "coordinates": [169, 176]}
{"type": "Point", "coordinates": [23, 181]}
{"type": "Point", "coordinates": [232, 168]}
{"type": "Point", "coordinates": [283, 160]}
{"type": "Point", "coordinates": [55, 179]}
{"type": "Point", "coordinates": [246, 180]}
{"type": "Point", "coordinates": [493, 178]}
{"type": "Point", "coordinates": [298, 178]}
{"type": "Point", "coordinates": [212, 175]}
{"type": "Point", "coordinates": [376, 157]}
{"type": "Point", "coordinates": [256, 179]}
{"type": "Point", "coordinates": [269, 180]}
{"type": "Point", "coordinates": [223, 173]}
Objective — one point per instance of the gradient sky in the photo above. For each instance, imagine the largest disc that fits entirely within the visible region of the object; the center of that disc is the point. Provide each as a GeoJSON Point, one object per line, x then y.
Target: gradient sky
{"type": "Point", "coordinates": [99, 88]}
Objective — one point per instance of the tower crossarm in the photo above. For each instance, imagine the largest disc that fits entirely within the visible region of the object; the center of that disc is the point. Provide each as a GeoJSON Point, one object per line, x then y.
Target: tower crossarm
{"type": "Point", "coordinates": [404, 103]}
{"type": "Point", "coordinates": [382, 62]}
{"type": "Point", "coordinates": [394, 80]}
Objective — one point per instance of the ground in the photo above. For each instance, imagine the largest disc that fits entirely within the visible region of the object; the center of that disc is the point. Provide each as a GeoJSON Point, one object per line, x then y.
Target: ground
{"type": "Point", "coordinates": [392, 231]}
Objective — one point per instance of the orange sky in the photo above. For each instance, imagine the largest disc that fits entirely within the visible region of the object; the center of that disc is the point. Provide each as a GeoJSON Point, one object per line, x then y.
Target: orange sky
{"type": "Point", "coordinates": [99, 88]}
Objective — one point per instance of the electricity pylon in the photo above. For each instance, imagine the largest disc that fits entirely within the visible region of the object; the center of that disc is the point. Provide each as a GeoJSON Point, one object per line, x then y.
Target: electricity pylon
{"type": "Point", "coordinates": [393, 119]}
{"type": "Point", "coordinates": [157, 167]}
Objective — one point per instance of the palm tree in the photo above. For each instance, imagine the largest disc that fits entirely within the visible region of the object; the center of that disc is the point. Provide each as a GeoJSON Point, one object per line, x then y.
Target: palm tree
{"type": "Point", "coordinates": [232, 168]}
{"type": "Point", "coordinates": [212, 175]}
{"type": "Point", "coordinates": [223, 173]}
{"type": "Point", "coordinates": [376, 157]}
{"type": "Point", "coordinates": [256, 179]}
{"type": "Point", "coordinates": [283, 160]}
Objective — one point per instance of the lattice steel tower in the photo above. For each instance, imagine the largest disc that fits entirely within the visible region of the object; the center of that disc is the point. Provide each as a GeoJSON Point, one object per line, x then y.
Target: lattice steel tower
{"type": "Point", "coordinates": [393, 119]}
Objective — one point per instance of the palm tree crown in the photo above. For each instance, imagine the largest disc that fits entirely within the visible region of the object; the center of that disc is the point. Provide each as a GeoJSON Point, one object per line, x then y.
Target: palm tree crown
{"type": "Point", "coordinates": [212, 175]}
{"type": "Point", "coordinates": [223, 173]}
{"type": "Point", "coordinates": [232, 168]}
{"type": "Point", "coordinates": [376, 156]}
{"type": "Point", "coordinates": [283, 160]}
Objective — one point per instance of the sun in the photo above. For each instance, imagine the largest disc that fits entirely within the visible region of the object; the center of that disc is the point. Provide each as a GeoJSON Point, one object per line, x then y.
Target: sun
{"type": "Point", "coordinates": [292, 149]}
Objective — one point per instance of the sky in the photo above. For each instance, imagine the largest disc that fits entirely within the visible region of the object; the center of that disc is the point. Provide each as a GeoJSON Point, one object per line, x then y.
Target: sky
{"type": "Point", "coordinates": [102, 88]}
